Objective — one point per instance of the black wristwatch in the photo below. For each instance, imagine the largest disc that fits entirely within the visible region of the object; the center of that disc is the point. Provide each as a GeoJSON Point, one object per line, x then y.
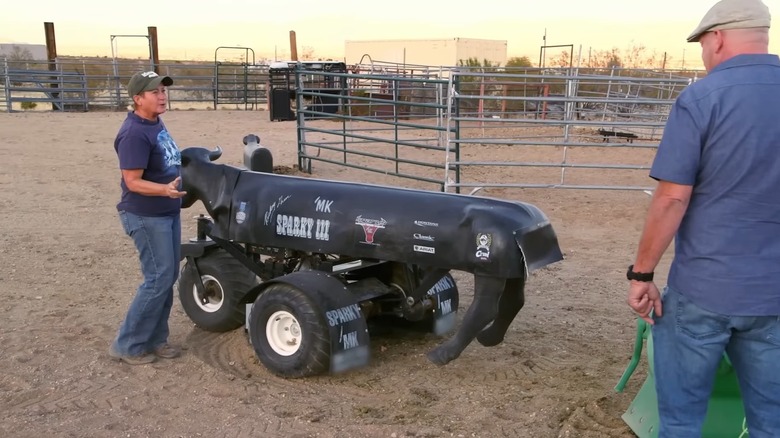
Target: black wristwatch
{"type": "Point", "coordinates": [638, 276]}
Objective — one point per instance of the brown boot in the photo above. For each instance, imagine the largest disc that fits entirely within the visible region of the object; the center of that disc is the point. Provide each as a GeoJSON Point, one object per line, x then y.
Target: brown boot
{"type": "Point", "coordinates": [141, 359]}
{"type": "Point", "coordinates": [167, 351]}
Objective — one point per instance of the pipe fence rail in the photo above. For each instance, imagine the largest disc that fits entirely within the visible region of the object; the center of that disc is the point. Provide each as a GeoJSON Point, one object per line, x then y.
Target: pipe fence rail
{"type": "Point", "coordinates": [457, 128]}
{"type": "Point", "coordinates": [473, 128]}
{"type": "Point", "coordinates": [99, 84]}
{"type": "Point", "coordinates": [564, 128]}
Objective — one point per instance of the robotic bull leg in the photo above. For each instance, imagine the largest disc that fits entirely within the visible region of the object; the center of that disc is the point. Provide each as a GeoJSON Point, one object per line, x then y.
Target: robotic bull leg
{"type": "Point", "coordinates": [512, 300]}
{"type": "Point", "coordinates": [483, 310]}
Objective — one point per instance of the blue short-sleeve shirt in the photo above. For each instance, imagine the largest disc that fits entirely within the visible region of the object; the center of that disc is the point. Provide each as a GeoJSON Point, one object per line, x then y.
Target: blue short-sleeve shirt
{"type": "Point", "coordinates": [723, 138]}
{"type": "Point", "coordinates": [142, 144]}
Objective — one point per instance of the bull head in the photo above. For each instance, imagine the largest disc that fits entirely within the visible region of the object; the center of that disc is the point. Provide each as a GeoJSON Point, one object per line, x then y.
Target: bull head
{"type": "Point", "coordinates": [191, 158]}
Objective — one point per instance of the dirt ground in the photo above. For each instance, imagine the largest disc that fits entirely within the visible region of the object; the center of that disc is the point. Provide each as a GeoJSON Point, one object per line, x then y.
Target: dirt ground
{"type": "Point", "coordinates": [69, 272]}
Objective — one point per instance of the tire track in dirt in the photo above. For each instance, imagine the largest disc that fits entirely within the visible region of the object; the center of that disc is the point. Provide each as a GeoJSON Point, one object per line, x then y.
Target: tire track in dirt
{"type": "Point", "coordinates": [68, 385]}
{"type": "Point", "coordinates": [232, 354]}
{"type": "Point", "coordinates": [78, 389]}
{"type": "Point", "coordinates": [363, 396]}
{"type": "Point", "coordinates": [593, 420]}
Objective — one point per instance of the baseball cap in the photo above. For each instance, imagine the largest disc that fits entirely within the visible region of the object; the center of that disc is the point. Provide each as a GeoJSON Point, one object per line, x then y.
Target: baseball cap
{"type": "Point", "coordinates": [732, 14]}
{"type": "Point", "coordinates": [146, 81]}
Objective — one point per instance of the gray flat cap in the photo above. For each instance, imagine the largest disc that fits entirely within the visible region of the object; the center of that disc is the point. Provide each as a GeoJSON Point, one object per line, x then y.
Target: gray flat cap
{"type": "Point", "coordinates": [732, 14]}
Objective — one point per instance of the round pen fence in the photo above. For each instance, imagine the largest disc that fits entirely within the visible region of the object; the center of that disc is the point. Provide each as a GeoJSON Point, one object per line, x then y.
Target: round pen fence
{"type": "Point", "coordinates": [465, 129]}
{"type": "Point", "coordinates": [455, 129]}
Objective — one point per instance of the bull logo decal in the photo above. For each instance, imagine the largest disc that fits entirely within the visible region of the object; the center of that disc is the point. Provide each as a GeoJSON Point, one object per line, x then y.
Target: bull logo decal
{"type": "Point", "coordinates": [241, 214]}
{"type": "Point", "coordinates": [370, 227]}
{"type": "Point", "coordinates": [484, 241]}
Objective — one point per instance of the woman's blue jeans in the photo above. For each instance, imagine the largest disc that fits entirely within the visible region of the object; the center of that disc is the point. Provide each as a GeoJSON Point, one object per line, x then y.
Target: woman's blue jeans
{"type": "Point", "coordinates": [689, 343]}
{"type": "Point", "coordinates": [158, 241]}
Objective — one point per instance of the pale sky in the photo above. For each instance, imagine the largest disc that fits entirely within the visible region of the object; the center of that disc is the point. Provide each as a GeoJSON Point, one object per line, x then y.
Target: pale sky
{"type": "Point", "coordinates": [193, 30]}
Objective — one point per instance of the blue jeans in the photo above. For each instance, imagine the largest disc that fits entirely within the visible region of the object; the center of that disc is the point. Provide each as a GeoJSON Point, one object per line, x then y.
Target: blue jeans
{"type": "Point", "coordinates": [158, 240]}
{"type": "Point", "coordinates": [689, 343]}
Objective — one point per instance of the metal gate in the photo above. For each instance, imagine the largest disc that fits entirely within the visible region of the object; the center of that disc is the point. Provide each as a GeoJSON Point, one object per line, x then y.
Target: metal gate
{"type": "Point", "coordinates": [65, 91]}
{"type": "Point", "coordinates": [556, 128]}
{"type": "Point", "coordinates": [239, 83]}
{"type": "Point", "coordinates": [388, 122]}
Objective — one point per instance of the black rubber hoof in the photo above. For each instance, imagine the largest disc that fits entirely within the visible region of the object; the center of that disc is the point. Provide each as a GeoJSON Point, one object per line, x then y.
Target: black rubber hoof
{"type": "Point", "coordinates": [441, 356]}
{"type": "Point", "coordinates": [490, 337]}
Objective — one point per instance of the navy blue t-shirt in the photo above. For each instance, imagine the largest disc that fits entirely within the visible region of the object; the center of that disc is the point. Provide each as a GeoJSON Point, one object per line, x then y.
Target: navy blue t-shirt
{"type": "Point", "coordinates": [723, 138]}
{"type": "Point", "coordinates": [142, 144]}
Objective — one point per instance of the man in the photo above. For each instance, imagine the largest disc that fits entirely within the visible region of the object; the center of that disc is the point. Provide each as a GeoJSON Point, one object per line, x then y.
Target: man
{"type": "Point", "coordinates": [149, 209]}
{"type": "Point", "coordinates": [718, 194]}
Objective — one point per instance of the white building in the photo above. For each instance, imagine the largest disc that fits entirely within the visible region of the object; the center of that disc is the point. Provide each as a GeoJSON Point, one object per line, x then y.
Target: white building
{"type": "Point", "coordinates": [438, 52]}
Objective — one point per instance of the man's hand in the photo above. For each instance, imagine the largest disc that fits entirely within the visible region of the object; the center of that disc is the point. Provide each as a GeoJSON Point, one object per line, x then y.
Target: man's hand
{"type": "Point", "coordinates": [643, 296]}
{"type": "Point", "coordinates": [172, 189]}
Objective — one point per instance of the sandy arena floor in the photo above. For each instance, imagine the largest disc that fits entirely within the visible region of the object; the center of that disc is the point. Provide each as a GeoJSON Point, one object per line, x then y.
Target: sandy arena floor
{"type": "Point", "coordinates": [69, 273]}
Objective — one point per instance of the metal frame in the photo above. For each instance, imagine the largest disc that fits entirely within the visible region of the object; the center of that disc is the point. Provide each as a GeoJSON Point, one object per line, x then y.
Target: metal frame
{"type": "Point", "coordinates": [117, 82]}
{"type": "Point", "coordinates": [102, 82]}
{"type": "Point", "coordinates": [237, 90]}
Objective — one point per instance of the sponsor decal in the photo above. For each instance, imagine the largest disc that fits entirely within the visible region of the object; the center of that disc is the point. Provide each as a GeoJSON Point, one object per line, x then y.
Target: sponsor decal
{"type": "Point", "coordinates": [370, 227]}
{"type": "Point", "coordinates": [343, 315]}
{"type": "Point", "coordinates": [442, 285]}
{"type": "Point", "coordinates": [322, 205]}
{"type": "Point", "coordinates": [426, 224]}
{"type": "Point", "coordinates": [445, 306]}
{"type": "Point", "coordinates": [302, 227]}
{"type": "Point", "coordinates": [270, 213]}
{"type": "Point", "coordinates": [348, 340]}
{"type": "Point", "coordinates": [241, 213]}
{"type": "Point", "coordinates": [426, 237]}
{"type": "Point", "coordinates": [484, 240]}
{"type": "Point", "coordinates": [425, 249]}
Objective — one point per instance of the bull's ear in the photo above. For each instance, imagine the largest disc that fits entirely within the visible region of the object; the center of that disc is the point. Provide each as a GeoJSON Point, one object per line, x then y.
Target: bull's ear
{"type": "Point", "coordinates": [216, 153]}
{"type": "Point", "coordinates": [185, 160]}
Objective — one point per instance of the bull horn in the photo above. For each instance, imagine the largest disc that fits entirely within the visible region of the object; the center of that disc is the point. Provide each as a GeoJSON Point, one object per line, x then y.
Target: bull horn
{"type": "Point", "coordinates": [216, 153]}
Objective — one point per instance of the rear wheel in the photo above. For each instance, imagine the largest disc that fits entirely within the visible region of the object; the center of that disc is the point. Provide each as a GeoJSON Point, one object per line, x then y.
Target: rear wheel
{"type": "Point", "coordinates": [289, 333]}
{"type": "Point", "coordinates": [225, 281]}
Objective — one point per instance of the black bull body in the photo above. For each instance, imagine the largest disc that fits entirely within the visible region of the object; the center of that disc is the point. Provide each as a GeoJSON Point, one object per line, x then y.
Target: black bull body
{"type": "Point", "coordinates": [498, 241]}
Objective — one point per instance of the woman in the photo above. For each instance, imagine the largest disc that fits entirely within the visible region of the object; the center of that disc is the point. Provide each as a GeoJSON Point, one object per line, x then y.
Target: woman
{"type": "Point", "coordinates": [149, 209]}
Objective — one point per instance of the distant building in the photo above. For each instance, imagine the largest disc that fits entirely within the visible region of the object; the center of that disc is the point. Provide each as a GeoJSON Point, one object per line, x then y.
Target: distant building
{"type": "Point", "coordinates": [34, 51]}
{"type": "Point", "coordinates": [437, 52]}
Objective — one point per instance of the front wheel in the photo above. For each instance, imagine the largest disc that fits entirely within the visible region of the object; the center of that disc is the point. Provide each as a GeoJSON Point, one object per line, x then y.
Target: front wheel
{"type": "Point", "coordinates": [289, 333]}
{"type": "Point", "coordinates": [225, 281]}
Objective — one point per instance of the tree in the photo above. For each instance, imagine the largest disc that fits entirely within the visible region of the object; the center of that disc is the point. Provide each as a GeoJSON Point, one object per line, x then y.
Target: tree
{"type": "Point", "coordinates": [307, 54]}
{"type": "Point", "coordinates": [605, 59]}
{"type": "Point", "coordinates": [19, 53]}
{"type": "Point", "coordinates": [562, 59]}
{"type": "Point", "coordinates": [639, 57]}
{"type": "Point", "coordinates": [474, 63]}
{"type": "Point", "coordinates": [519, 61]}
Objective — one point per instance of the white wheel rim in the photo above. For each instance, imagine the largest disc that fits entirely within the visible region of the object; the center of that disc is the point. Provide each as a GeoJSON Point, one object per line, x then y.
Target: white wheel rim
{"type": "Point", "coordinates": [214, 295]}
{"type": "Point", "coordinates": [283, 333]}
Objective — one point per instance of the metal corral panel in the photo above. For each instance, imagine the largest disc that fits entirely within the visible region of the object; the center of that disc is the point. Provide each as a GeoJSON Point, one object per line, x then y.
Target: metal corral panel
{"type": "Point", "coordinates": [436, 52]}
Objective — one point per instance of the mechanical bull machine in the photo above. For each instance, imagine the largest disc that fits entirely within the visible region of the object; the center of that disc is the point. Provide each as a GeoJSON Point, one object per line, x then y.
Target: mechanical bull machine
{"type": "Point", "coordinates": [304, 264]}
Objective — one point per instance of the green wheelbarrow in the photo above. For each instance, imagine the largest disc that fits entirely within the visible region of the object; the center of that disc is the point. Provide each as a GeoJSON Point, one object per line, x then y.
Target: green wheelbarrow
{"type": "Point", "coordinates": [725, 413]}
